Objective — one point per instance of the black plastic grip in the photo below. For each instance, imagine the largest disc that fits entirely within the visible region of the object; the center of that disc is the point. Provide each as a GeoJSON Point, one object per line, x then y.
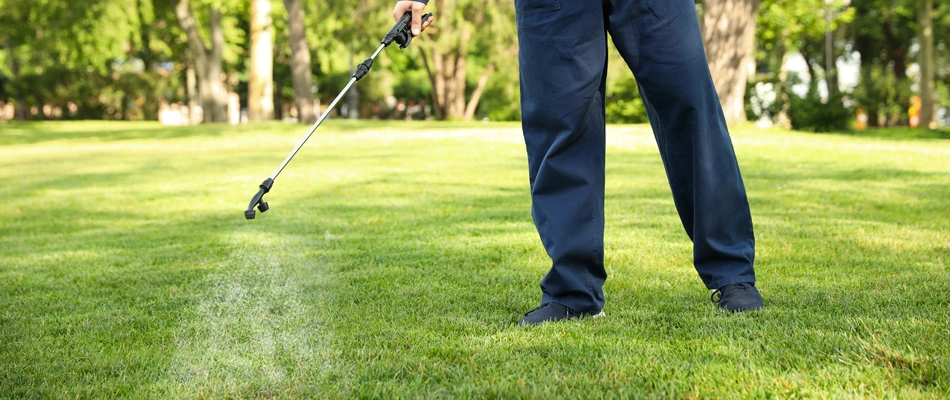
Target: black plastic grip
{"type": "Point", "coordinates": [401, 32]}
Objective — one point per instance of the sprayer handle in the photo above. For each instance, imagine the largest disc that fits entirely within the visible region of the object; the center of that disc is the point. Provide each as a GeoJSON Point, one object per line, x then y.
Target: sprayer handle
{"type": "Point", "coordinates": [400, 32]}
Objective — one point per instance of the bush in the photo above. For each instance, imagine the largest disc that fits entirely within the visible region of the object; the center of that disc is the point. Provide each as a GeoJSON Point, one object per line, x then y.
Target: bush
{"type": "Point", "coordinates": [766, 99]}
{"type": "Point", "coordinates": [884, 96]}
{"type": "Point", "coordinates": [624, 104]}
{"type": "Point", "coordinates": [501, 101]}
{"type": "Point", "coordinates": [809, 113]}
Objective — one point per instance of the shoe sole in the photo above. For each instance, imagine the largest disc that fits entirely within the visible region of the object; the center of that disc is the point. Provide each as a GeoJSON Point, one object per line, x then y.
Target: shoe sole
{"type": "Point", "coordinates": [598, 315]}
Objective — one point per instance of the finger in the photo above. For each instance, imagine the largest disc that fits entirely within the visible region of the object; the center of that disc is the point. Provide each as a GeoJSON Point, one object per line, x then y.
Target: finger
{"type": "Point", "coordinates": [401, 8]}
{"type": "Point", "coordinates": [416, 21]}
{"type": "Point", "coordinates": [428, 22]}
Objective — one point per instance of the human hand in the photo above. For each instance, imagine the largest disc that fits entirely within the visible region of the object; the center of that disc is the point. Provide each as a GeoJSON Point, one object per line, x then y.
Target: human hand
{"type": "Point", "coordinates": [417, 8]}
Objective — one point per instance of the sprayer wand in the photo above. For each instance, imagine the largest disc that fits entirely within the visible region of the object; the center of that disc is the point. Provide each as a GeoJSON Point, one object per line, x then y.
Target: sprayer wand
{"type": "Point", "coordinates": [400, 34]}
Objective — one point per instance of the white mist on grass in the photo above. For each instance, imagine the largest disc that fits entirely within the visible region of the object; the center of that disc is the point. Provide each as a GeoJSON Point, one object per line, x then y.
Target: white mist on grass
{"type": "Point", "coordinates": [250, 333]}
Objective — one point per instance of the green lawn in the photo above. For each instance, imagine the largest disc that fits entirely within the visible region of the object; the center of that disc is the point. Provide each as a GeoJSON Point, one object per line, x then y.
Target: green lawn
{"type": "Point", "coordinates": [396, 259]}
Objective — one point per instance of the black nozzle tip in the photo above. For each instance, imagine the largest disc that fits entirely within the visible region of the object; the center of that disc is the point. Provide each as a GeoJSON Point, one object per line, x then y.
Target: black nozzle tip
{"type": "Point", "coordinates": [249, 214]}
{"type": "Point", "coordinates": [263, 206]}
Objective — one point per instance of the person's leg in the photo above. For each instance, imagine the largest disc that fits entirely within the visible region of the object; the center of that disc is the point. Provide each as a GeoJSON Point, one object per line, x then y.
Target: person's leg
{"type": "Point", "coordinates": [661, 43]}
{"type": "Point", "coordinates": [562, 53]}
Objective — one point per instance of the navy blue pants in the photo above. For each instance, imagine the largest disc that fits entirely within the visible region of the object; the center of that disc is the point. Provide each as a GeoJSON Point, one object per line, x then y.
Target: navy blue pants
{"type": "Point", "coordinates": [563, 58]}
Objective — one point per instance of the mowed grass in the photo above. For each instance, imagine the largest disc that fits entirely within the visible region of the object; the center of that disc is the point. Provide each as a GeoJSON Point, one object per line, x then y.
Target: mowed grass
{"type": "Point", "coordinates": [396, 259]}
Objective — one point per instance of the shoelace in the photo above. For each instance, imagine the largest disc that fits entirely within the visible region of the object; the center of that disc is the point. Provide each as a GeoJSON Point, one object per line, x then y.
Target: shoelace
{"type": "Point", "coordinates": [737, 286]}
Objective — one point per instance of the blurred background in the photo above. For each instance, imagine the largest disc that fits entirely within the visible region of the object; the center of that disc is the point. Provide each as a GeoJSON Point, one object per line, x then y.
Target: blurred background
{"type": "Point", "coordinates": [818, 65]}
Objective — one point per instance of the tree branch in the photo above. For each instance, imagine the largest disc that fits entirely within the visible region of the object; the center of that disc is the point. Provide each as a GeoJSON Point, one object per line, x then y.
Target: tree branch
{"type": "Point", "coordinates": [477, 93]}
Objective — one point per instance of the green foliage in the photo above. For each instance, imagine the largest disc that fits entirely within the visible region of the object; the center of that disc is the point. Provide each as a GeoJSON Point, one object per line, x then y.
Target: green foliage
{"type": "Point", "coordinates": [883, 33]}
{"type": "Point", "coordinates": [53, 52]}
{"type": "Point", "coordinates": [412, 84]}
{"type": "Point", "coordinates": [784, 24]}
{"type": "Point", "coordinates": [469, 36]}
{"type": "Point", "coordinates": [767, 105]}
{"type": "Point", "coordinates": [623, 102]}
{"type": "Point", "coordinates": [501, 101]}
{"type": "Point", "coordinates": [942, 94]}
{"type": "Point", "coordinates": [624, 105]}
{"type": "Point", "coordinates": [882, 93]}
{"type": "Point", "coordinates": [810, 113]}
{"type": "Point", "coordinates": [82, 59]}
{"type": "Point", "coordinates": [788, 26]}
{"type": "Point", "coordinates": [234, 24]}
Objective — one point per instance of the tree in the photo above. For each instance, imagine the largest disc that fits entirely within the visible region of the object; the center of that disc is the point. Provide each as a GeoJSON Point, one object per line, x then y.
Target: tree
{"type": "Point", "coordinates": [728, 28]}
{"type": "Point", "coordinates": [789, 27]}
{"type": "Point", "coordinates": [883, 32]}
{"type": "Point", "coordinates": [465, 25]}
{"type": "Point", "coordinates": [260, 97]}
{"type": "Point", "coordinates": [81, 58]}
{"type": "Point", "coordinates": [208, 61]}
{"type": "Point", "coordinates": [925, 57]}
{"type": "Point", "coordinates": [300, 62]}
{"type": "Point", "coordinates": [941, 26]}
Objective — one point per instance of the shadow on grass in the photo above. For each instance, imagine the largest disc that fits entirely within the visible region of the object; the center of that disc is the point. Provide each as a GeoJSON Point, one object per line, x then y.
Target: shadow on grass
{"type": "Point", "coordinates": [24, 133]}
{"type": "Point", "coordinates": [98, 294]}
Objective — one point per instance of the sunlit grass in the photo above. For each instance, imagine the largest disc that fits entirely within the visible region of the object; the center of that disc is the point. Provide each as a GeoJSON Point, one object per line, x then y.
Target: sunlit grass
{"type": "Point", "coordinates": [396, 259]}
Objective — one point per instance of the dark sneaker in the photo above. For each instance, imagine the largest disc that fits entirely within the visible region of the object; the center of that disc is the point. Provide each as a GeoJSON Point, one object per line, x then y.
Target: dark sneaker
{"type": "Point", "coordinates": [738, 297]}
{"type": "Point", "coordinates": [552, 312]}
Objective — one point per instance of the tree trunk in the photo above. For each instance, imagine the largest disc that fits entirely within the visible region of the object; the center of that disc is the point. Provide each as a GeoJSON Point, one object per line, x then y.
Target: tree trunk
{"type": "Point", "coordinates": [831, 66]}
{"type": "Point", "coordinates": [211, 91]}
{"type": "Point", "coordinates": [219, 93]}
{"type": "Point", "coordinates": [191, 86]}
{"type": "Point", "coordinates": [868, 48]}
{"type": "Point", "coordinates": [260, 85]}
{"type": "Point", "coordinates": [926, 59]}
{"type": "Point", "coordinates": [461, 68]}
{"type": "Point", "coordinates": [782, 89]}
{"type": "Point", "coordinates": [447, 74]}
{"type": "Point", "coordinates": [809, 69]}
{"type": "Point", "coordinates": [895, 52]}
{"type": "Point", "coordinates": [477, 93]}
{"type": "Point", "coordinates": [445, 61]}
{"type": "Point", "coordinates": [145, 53]}
{"type": "Point", "coordinates": [19, 110]}
{"type": "Point", "coordinates": [150, 108]}
{"type": "Point", "coordinates": [445, 51]}
{"type": "Point", "coordinates": [729, 34]}
{"type": "Point", "coordinates": [300, 62]}
{"type": "Point", "coordinates": [20, 97]}
{"type": "Point", "coordinates": [437, 78]}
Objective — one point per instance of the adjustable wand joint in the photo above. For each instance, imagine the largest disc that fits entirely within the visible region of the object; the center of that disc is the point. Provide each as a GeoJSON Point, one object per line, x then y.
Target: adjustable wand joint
{"type": "Point", "coordinates": [363, 68]}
